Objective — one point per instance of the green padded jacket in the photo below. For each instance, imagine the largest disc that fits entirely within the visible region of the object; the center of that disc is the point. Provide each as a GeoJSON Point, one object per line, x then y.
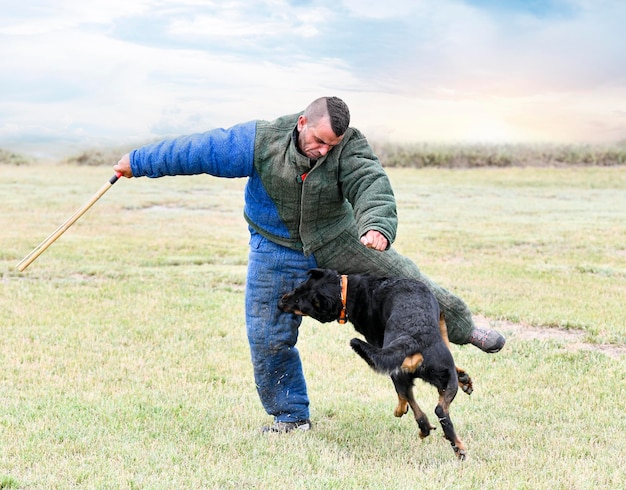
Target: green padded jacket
{"type": "Point", "coordinates": [347, 186]}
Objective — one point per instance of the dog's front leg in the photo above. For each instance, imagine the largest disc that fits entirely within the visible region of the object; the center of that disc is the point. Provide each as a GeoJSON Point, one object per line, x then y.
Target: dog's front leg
{"type": "Point", "coordinates": [443, 413]}
{"type": "Point", "coordinates": [465, 382]}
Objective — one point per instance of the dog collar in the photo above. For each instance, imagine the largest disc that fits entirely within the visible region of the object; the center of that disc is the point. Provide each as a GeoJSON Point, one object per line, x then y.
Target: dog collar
{"type": "Point", "coordinates": [343, 316]}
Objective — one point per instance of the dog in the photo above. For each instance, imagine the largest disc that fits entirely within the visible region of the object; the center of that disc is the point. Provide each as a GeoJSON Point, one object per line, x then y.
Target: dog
{"type": "Point", "coordinates": [406, 336]}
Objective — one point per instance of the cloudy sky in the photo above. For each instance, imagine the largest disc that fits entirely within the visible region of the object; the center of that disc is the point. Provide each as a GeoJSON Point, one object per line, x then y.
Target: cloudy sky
{"type": "Point", "coordinates": [117, 71]}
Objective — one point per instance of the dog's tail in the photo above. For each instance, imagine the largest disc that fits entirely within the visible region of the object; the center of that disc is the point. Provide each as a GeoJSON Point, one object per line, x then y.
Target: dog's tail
{"type": "Point", "coordinates": [383, 360]}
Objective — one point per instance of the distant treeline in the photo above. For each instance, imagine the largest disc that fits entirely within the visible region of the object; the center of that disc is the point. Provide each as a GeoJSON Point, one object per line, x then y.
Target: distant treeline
{"type": "Point", "coordinates": [420, 155]}
{"type": "Point", "coordinates": [11, 158]}
{"type": "Point", "coordinates": [109, 156]}
{"type": "Point", "coordinates": [494, 155]}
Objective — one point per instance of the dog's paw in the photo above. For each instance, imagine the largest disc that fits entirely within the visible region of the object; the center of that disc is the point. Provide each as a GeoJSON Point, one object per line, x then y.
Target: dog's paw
{"type": "Point", "coordinates": [460, 453]}
{"type": "Point", "coordinates": [425, 427]}
{"type": "Point", "coordinates": [402, 408]}
{"type": "Point", "coordinates": [459, 449]}
{"type": "Point", "coordinates": [465, 382]}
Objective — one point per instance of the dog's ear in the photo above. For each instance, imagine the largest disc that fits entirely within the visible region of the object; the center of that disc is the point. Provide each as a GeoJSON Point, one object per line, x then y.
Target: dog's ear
{"type": "Point", "coordinates": [316, 303]}
{"type": "Point", "coordinates": [325, 309]}
{"type": "Point", "coordinates": [316, 273]}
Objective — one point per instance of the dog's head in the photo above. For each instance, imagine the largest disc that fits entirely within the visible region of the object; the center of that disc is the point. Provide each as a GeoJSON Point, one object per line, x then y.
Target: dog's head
{"type": "Point", "coordinates": [318, 297]}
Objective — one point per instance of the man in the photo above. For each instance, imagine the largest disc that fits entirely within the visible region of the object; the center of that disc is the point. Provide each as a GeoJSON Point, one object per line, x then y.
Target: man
{"type": "Point", "coordinates": [316, 196]}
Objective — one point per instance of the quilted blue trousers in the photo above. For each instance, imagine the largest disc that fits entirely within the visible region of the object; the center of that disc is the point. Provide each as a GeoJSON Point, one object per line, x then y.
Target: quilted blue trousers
{"type": "Point", "coordinates": [272, 271]}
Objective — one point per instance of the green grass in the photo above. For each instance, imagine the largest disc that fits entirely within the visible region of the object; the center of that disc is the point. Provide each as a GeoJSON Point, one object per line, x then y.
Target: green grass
{"type": "Point", "coordinates": [124, 362]}
{"type": "Point", "coordinates": [544, 246]}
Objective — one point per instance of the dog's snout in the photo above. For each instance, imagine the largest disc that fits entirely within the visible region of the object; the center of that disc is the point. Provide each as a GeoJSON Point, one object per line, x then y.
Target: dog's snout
{"type": "Point", "coordinates": [282, 302]}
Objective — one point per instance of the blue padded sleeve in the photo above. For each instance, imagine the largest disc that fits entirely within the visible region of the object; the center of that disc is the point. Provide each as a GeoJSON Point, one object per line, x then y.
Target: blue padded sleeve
{"type": "Point", "coordinates": [219, 152]}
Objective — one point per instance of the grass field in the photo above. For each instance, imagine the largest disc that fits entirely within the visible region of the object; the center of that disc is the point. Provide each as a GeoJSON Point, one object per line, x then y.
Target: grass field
{"type": "Point", "coordinates": [124, 362]}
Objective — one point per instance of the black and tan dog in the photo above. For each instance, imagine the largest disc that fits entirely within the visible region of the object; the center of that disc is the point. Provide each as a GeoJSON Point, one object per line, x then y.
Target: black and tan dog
{"type": "Point", "coordinates": [406, 335]}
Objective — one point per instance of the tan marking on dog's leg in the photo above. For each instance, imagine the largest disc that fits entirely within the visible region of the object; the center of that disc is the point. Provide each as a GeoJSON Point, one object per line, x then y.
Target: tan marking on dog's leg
{"type": "Point", "coordinates": [411, 363]}
{"type": "Point", "coordinates": [460, 450]}
{"type": "Point", "coordinates": [443, 328]}
{"type": "Point", "coordinates": [402, 408]}
{"type": "Point", "coordinates": [465, 382]}
{"type": "Point", "coordinates": [445, 400]}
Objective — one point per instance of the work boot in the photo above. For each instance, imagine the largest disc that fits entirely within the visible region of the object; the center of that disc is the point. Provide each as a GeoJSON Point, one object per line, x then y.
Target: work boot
{"type": "Point", "coordinates": [488, 341]}
{"type": "Point", "coordinates": [284, 427]}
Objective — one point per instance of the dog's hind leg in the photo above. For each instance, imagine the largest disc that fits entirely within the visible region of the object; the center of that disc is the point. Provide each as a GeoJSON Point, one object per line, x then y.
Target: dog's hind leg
{"type": "Point", "coordinates": [403, 406]}
{"type": "Point", "coordinates": [465, 382]}
{"type": "Point", "coordinates": [404, 389]}
{"type": "Point", "coordinates": [446, 395]}
{"type": "Point", "coordinates": [420, 416]}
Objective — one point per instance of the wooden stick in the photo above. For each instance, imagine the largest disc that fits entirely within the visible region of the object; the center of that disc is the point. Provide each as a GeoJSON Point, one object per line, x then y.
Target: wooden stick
{"type": "Point", "coordinates": [39, 249]}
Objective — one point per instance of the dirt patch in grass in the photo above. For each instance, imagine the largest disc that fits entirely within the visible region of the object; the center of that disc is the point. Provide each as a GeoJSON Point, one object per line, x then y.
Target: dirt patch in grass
{"type": "Point", "coordinates": [572, 339]}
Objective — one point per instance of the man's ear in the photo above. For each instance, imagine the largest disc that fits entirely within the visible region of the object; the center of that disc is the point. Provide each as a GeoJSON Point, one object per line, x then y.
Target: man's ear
{"type": "Point", "coordinates": [302, 120]}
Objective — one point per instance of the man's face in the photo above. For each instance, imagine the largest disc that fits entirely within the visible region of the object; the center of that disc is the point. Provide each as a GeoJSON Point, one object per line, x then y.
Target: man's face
{"type": "Point", "coordinates": [316, 139]}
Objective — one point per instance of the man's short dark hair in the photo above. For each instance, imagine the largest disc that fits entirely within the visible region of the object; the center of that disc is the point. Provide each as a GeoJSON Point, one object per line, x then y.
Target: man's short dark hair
{"type": "Point", "coordinates": [339, 115]}
{"type": "Point", "coordinates": [333, 107]}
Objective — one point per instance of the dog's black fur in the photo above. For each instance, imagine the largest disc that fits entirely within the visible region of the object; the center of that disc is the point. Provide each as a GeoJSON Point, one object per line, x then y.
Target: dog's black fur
{"type": "Point", "coordinates": [400, 320]}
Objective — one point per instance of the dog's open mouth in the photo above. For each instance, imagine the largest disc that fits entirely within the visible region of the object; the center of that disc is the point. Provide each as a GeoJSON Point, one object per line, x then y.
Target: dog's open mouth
{"type": "Point", "coordinates": [284, 305]}
{"type": "Point", "coordinates": [295, 312]}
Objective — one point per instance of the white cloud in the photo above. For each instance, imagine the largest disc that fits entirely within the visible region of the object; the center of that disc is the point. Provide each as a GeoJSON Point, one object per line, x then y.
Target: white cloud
{"type": "Point", "coordinates": [410, 70]}
{"type": "Point", "coordinates": [376, 9]}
